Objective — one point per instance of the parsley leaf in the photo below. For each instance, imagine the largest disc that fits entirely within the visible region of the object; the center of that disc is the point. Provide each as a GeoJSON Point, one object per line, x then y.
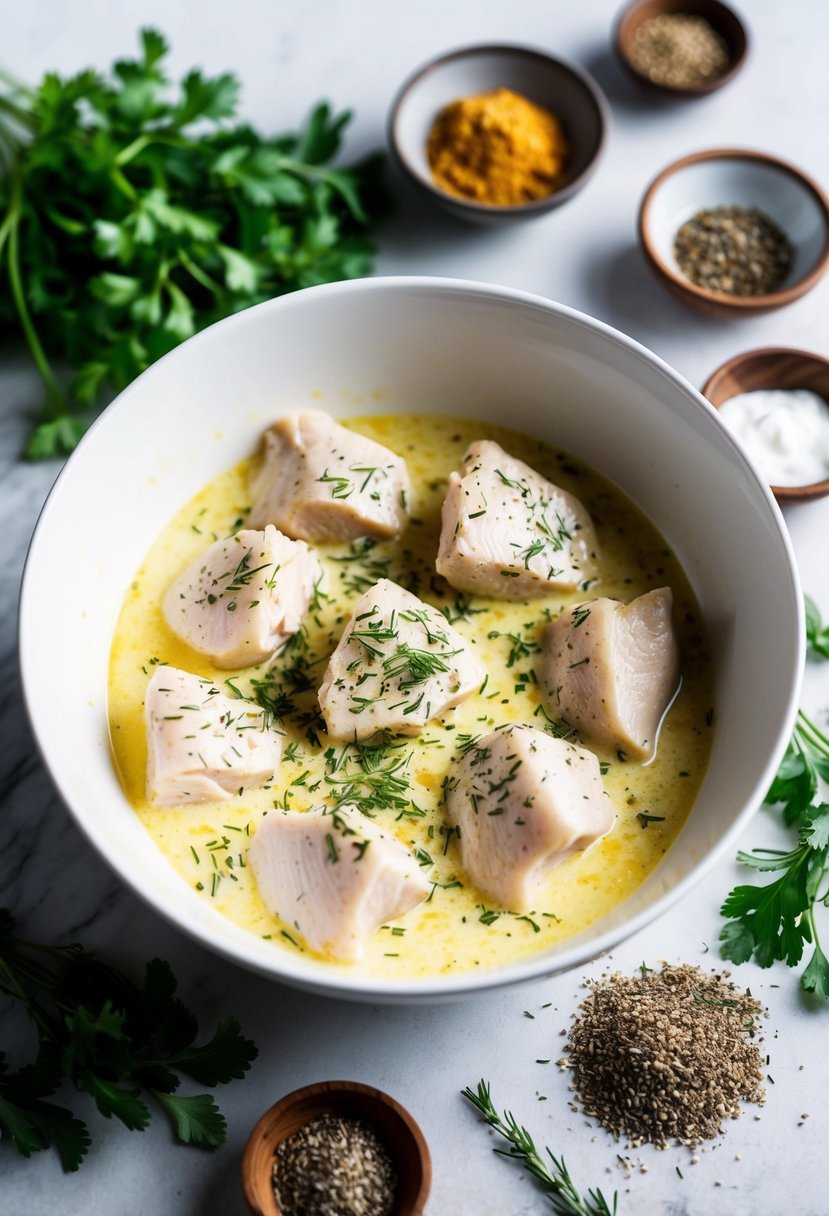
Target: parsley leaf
{"type": "Point", "coordinates": [817, 634]}
{"type": "Point", "coordinates": [815, 978]}
{"type": "Point", "coordinates": [113, 1040]}
{"type": "Point", "coordinates": [134, 213]}
{"type": "Point", "coordinates": [32, 1124]}
{"type": "Point", "coordinates": [224, 1058]}
{"type": "Point", "coordinates": [197, 1119]}
{"type": "Point", "coordinates": [796, 782]}
{"type": "Point", "coordinates": [775, 921]}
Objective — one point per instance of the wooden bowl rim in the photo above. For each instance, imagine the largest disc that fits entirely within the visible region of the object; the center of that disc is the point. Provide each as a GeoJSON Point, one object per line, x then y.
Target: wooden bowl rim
{"type": "Point", "coordinates": [518, 210]}
{"type": "Point", "coordinates": [737, 304]}
{"type": "Point", "coordinates": [683, 92]}
{"type": "Point", "coordinates": [322, 1090]}
{"type": "Point", "coordinates": [783, 494]}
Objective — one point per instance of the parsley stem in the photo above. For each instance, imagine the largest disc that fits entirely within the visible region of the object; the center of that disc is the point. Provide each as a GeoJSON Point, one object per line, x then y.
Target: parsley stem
{"type": "Point", "coordinates": [54, 396]}
{"type": "Point", "coordinates": [131, 150]}
{"type": "Point", "coordinates": [8, 149]}
{"type": "Point", "coordinates": [14, 112]}
{"type": "Point", "coordinates": [123, 184]}
{"type": "Point", "coordinates": [195, 271]}
{"type": "Point", "coordinates": [15, 84]}
{"type": "Point", "coordinates": [5, 229]}
{"type": "Point", "coordinates": [809, 917]}
{"type": "Point", "coordinates": [10, 983]}
{"type": "Point", "coordinates": [810, 732]}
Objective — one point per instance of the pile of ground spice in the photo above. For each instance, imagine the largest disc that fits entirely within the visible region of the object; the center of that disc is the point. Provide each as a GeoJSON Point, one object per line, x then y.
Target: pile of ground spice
{"type": "Point", "coordinates": [678, 50]}
{"type": "Point", "coordinates": [334, 1166]}
{"type": "Point", "coordinates": [666, 1055]}
{"type": "Point", "coordinates": [498, 149]}
{"type": "Point", "coordinates": [736, 250]}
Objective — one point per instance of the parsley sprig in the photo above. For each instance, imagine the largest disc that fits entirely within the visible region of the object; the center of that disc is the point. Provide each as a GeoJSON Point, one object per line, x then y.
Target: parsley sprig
{"type": "Point", "coordinates": [550, 1171]}
{"type": "Point", "coordinates": [776, 921]}
{"type": "Point", "coordinates": [133, 213]}
{"type": "Point", "coordinates": [817, 634]}
{"type": "Point", "coordinates": [120, 1044]}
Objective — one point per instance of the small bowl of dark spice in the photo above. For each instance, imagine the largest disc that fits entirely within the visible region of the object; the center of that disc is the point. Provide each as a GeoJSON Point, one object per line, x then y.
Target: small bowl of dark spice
{"type": "Point", "coordinates": [679, 49]}
{"type": "Point", "coordinates": [337, 1148]}
{"type": "Point", "coordinates": [496, 134]}
{"type": "Point", "coordinates": [735, 233]}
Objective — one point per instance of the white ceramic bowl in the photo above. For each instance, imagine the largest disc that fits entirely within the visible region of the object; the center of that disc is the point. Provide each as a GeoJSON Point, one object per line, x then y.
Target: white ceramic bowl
{"type": "Point", "coordinates": [726, 177]}
{"type": "Point", "coordinates": [560, 87]}
{"type": "Point", "coordinates": [409, 344]}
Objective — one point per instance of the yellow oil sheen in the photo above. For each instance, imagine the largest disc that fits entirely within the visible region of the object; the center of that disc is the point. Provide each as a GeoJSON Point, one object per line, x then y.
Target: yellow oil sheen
{"type": "Point", "coordinates": [206, 844]}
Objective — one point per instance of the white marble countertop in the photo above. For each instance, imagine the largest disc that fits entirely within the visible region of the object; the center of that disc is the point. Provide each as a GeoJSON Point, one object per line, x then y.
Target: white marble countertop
{"type": "Point", "coordinates": [585, 255]}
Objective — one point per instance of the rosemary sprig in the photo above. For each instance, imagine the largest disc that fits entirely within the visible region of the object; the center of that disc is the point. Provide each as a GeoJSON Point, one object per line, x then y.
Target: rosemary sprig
{"type": "Point", "coordinates": [555, 1179]}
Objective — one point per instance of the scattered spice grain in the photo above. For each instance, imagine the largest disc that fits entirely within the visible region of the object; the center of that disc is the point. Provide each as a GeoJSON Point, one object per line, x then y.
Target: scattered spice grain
{"type": "Point", "coordinates": [334, 1166]}
{"type": "Point", "coordinates": [666, 1055]}
{"type": "Point", "coordinates": [498, 149]}
{"type": "Point", "coordinates": [735, 250]}
{"type": "Point", "coordinates": [679, 50]}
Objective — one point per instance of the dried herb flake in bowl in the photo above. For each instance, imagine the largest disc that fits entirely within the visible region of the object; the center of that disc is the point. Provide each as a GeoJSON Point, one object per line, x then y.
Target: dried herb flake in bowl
{"type": "Point", "coordinates": [334, 1166]}
{"type": "Point", "coordinates": [735, 250]}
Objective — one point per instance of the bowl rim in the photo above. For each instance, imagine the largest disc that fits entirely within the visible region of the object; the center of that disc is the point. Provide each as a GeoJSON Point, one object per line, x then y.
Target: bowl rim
{"type": "Point", "coordinates": [740, 304]}
{"type": "Point", "coordinates": [320, 1090]}
{"type": "Point", "coordinates": [784, 494]}
{"type": "Point", "coordinates": [684, 92]}
{"type": "Point", "coordinates": [523, 50]}
{"type": "Point", "coordinates": [341, 984]}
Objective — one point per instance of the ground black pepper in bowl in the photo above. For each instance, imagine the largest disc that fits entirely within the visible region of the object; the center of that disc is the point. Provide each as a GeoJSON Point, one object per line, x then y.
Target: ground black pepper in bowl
{"type": "Point", "coordinates": [666, 1055]}
{"type": "Point", "coordinates": [334, 1166]}
{"type": "Point", "coordinates": [735, 250]}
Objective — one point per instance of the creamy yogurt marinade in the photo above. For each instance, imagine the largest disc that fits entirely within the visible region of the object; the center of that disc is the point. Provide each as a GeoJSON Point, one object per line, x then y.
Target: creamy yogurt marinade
{"type": "Point", "coordinates": [456, 928]}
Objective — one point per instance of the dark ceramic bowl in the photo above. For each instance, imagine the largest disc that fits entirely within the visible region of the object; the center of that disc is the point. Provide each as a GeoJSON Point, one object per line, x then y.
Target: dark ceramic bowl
{"type": "Point", "coordinates": [562, 88]}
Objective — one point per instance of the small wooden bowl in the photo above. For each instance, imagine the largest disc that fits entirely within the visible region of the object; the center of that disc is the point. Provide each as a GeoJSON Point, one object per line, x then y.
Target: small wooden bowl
{"type": "Point", "coordinates": [770, 368]}
{"type": "Point", "coordinates": [394, 1125]}
{"type": "Point", "coordinates": [727, 177]}
{"type": "Point", "coordinates": [726, 23]}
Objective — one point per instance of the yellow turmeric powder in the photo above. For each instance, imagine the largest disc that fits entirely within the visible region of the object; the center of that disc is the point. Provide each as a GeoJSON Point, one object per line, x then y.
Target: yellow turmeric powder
{"type": "Point", "coordinates": [498, 149]}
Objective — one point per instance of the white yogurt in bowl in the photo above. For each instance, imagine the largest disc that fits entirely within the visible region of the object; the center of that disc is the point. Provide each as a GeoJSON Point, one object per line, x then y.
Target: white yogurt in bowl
{"type": "Point", "coordinates": [784, 431]}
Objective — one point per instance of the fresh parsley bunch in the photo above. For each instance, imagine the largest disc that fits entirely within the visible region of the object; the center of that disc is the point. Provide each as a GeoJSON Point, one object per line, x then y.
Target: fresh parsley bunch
{"type": "Point", "coordinates": [133, 214]}
{"type": "Point", "coordinates": [112, 1040]}
{"type": "Point", "coordinates": [776, 921]}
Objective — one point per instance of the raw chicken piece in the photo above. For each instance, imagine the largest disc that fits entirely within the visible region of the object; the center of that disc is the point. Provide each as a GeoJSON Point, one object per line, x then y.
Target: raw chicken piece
{"type": "Point", "coordinates": [243, 597]}
{"type": "Point", "coordinates": [201, 745]}
{"type": "Point", "coordinates": [611, 670]}
{"type": "Point", "coordinates": [335, 876]}
{"type": "Point", "coordinates": [321, 482]}
{"type": "Point", "coordinates": [523, 802]}
{"type": "Point", "coordinates": [398, 665]}
{"type": "Point", "coordinates": [509, 533]}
